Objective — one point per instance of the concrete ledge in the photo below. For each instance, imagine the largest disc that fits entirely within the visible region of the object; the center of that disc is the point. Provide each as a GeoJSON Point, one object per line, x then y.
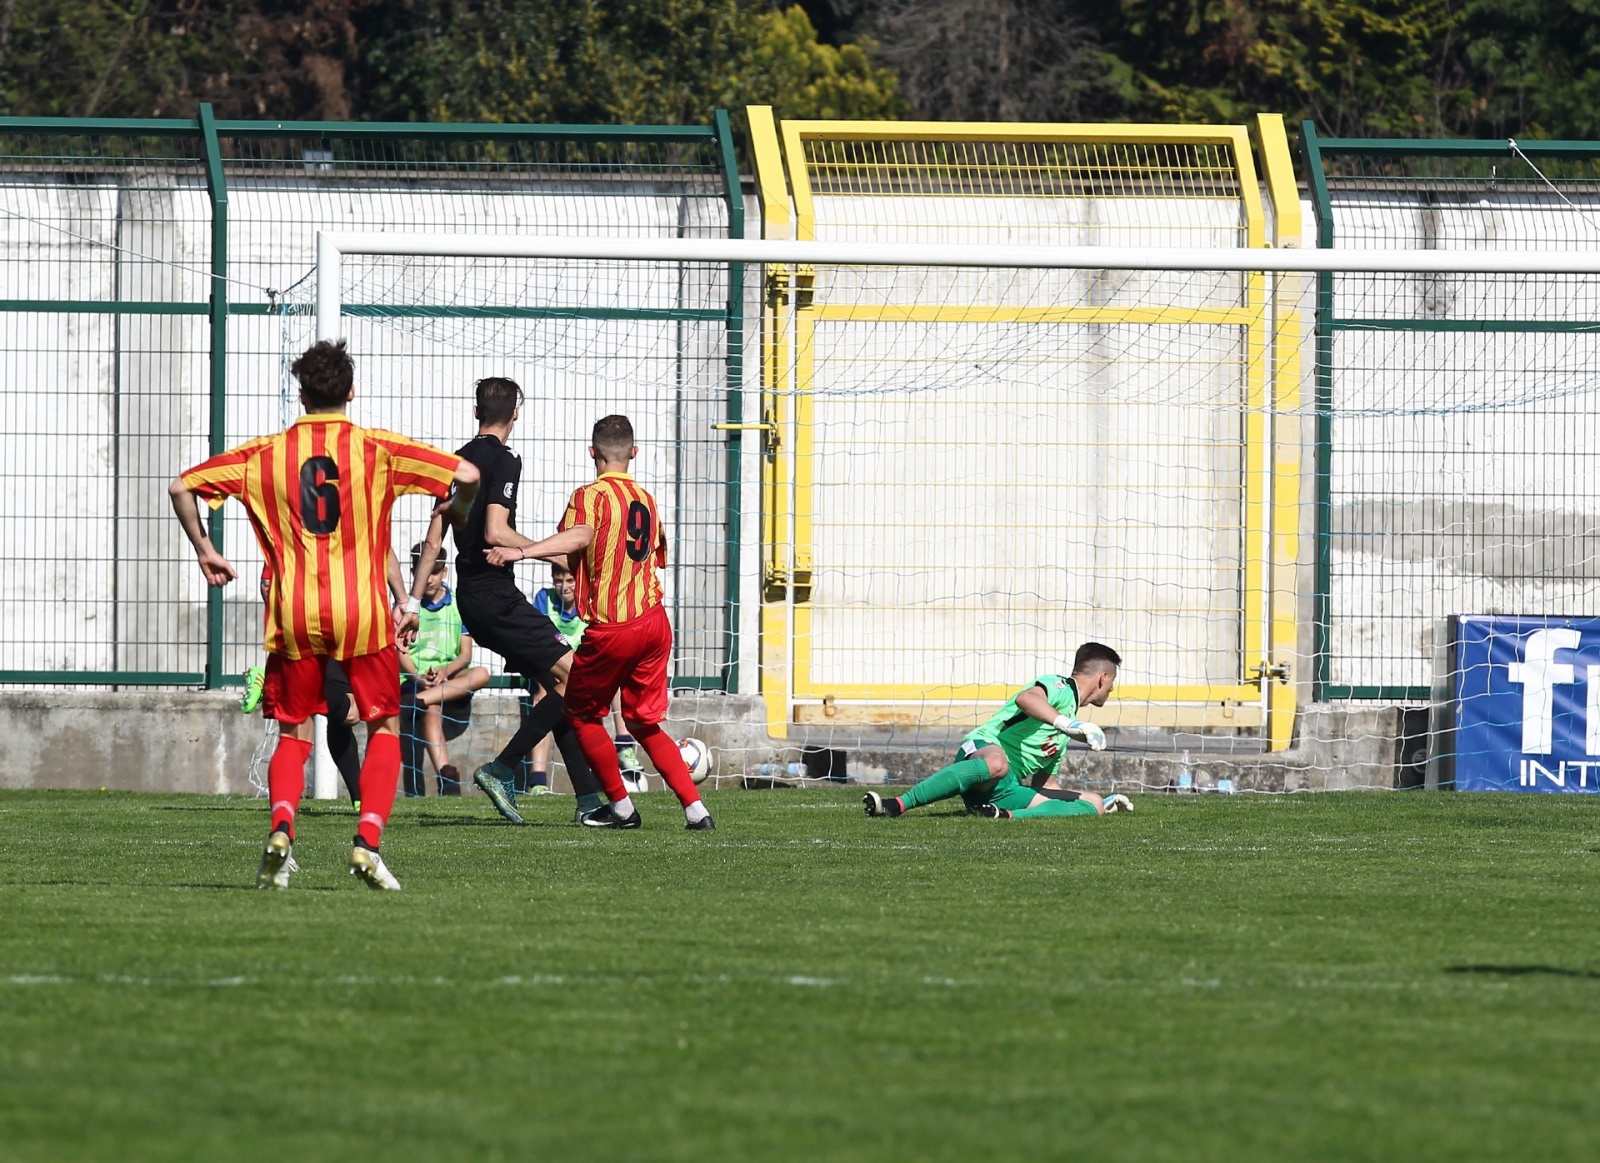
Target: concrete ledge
{"type": "Point", "coordinates": [197, 741]}
{"type": "Point", "coordinates": [183, 741]}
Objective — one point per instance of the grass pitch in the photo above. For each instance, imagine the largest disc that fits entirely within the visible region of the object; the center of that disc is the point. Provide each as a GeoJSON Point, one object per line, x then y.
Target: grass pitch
{"type": "Point", "coordinates": [1400, 976]}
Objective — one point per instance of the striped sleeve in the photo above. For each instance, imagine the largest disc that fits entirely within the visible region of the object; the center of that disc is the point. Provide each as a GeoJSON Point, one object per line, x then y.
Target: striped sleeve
{"type": "Point", "coordinates": [661, 545]}
{"type": "Point", "coordinates": [221, 477]}
{"type": "Point", "coordinates": [416, 467]}
{"type": "Point", "coordinates": [577, 510]}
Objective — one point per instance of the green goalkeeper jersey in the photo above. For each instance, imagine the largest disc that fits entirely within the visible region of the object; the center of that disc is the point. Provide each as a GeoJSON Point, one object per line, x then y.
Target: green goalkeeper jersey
{"type": "Point", "coordinates": [1034, 748]}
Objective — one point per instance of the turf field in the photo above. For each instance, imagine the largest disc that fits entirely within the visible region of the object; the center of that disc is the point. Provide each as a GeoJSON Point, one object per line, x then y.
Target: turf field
{"type": "Point", "coordinates": [1401, 976]}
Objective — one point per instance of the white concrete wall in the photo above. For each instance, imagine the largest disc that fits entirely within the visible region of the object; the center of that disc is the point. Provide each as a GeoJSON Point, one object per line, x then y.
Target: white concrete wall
{"type": "Point", "coordinates": [113, 406]}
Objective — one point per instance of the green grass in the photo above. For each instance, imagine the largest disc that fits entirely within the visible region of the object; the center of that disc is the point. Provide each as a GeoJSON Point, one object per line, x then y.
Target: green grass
{"type": "Point", "coordinates": [1332, 977]}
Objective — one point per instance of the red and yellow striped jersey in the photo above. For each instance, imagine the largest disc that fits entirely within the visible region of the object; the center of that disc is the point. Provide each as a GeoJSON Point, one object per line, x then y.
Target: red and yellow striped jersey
{"type": "Point", "coordinates": [319, 496]}
{"type": "Point", "coordinates": [616, 576]}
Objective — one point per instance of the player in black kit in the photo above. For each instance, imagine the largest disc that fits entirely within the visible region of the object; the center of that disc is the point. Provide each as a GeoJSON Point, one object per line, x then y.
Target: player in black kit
{"type": "Point", "coordinates": [499, 613]}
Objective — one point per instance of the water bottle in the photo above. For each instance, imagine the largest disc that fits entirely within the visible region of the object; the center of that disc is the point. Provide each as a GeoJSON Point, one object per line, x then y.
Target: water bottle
{"type": "Point", "coordinates": [1225, 786]}
{"type": "Point", "coordinates": [781, 770]}
{"type": "Point", "coordinates": [1185, 775]}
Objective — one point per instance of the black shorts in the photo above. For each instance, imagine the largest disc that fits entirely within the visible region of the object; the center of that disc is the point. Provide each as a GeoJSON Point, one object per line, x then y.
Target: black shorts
{"type": "Point", "coordinates": [499, 617]}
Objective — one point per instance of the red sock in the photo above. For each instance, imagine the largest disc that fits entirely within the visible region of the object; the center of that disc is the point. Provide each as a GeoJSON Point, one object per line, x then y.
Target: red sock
{"type": "Point", "coordinates": [664, 753]}
{"type": "Point", "coordinates": [602, 756]}
{"type": "Point", "coordinates": [286, 779]}
{"type": "Point", "coordinates": [380, 773]}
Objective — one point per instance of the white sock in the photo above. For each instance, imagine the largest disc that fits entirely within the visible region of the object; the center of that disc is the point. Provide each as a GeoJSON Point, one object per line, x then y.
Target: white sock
{"type": "Point", "coordinates": [695, 812]}
{"type": "Point", "coordinates": [622, 808]}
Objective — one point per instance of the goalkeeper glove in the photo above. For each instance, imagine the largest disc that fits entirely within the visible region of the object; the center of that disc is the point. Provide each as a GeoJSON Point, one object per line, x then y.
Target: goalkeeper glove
{"type": "Point", "coordinates": [1083, 730]}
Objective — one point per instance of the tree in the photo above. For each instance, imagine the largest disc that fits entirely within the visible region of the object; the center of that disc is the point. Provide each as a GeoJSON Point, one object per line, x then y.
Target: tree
{"type": "Point", "coordinates": [1357, 67]}
{"type": "Point", "coordinates": [665, 61]}
{"type": "Point", "coordinates": [994, 60]}
{"type": "Point", "coordinates": [1539, 64]}
{"type": "Point", "coordinates": [499, 60]}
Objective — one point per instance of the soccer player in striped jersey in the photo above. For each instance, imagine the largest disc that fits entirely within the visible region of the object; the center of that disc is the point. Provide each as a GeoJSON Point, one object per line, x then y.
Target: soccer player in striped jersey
{"type": "Point", "coordinates": [319, 495]}
{"type": "Point", "coordinates": [1000, 766]}
{"type": "Point", "coordinates": [612, 538]}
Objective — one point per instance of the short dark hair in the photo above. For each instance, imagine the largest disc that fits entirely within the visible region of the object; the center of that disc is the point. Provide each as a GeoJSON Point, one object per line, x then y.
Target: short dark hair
{"type": "Point", "coordinates": [613, 437]}
{"type": "Point", "coordinates": [556, 569]}
{"type": "Point", "coordinates": [1091, 653]}
{"type": "Point", "coordinates": [498, 400]}
{"type": "Point", "coordinates": [439, 562]}
{"type": "Point", "coordinates": [326, 373]}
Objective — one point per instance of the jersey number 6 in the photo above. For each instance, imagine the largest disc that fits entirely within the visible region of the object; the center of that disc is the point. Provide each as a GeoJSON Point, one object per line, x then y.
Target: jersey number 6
{"type": "Point", "coordinates": [319, 495]}
{"type": "Point", "coordinates": [638, 531]}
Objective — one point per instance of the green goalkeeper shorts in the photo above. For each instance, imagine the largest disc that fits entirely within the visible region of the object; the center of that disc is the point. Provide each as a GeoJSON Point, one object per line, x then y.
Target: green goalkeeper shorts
{"type": "Point", "coordinates": [1007, 793]}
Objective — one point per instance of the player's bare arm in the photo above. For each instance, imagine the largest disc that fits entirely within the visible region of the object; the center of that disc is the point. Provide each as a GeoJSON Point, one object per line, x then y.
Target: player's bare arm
{"type": "Point", "coordinates": [432, 547]}
{"type": "Point", "coordinates": [555, 548]}
{"type": "Point", "coordinates": [452, 511]}
{"type": "Point", "coordinates": [397, 582]}
{"type": "Point", "coordinates": [216, 568]}
{"type": "Point", "coordinates": [497, 531]}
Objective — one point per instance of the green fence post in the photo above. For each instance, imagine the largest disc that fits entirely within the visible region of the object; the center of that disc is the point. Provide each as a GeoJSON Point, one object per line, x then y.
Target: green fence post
{"type": "Point", "coordinates": [1322, 596]}
{"type": "Point", "coordinates": [217, 188]}
{"type": "Point", "coordinates": [735, 411]}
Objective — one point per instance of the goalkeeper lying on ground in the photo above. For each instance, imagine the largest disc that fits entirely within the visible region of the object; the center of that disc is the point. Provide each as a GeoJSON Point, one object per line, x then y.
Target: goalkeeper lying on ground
{"type": "Point", "coordinates": [1020, 745]}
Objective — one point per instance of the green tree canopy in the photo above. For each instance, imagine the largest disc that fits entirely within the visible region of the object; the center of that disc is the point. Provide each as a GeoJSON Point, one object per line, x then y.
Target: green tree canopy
{"type": "Point", "coordinates": [497, 60]}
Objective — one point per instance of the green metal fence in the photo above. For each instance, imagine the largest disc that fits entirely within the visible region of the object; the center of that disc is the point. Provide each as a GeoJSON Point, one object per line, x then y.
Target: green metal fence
{"type": "Point", "coordinates": [157, 280]}
{"type": "Point", "coordinates": [1457, 416]}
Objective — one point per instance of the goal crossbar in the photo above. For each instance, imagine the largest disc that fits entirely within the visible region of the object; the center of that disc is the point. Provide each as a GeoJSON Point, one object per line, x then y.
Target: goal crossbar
{"type": "Point", "coordinates": [333, 245]}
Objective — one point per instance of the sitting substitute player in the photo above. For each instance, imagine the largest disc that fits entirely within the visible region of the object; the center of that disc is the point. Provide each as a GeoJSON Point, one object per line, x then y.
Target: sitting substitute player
{"type": "Point", "coordinates": [438, 679]}
{"type": "Point", "coordinates": [1021, 744]}
{"type": "Point", "coordinates": [612, 538]}
{"type": "Point", "coordinates": [319, 496]}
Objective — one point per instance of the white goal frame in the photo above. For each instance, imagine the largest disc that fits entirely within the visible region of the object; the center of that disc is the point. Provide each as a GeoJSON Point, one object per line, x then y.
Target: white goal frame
{"type": "Point", "coordinates": [332, 246]}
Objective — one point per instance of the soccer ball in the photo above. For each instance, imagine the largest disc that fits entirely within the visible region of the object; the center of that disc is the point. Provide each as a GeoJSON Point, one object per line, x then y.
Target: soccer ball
{"type": "Point", "coordinates": [697, 757]}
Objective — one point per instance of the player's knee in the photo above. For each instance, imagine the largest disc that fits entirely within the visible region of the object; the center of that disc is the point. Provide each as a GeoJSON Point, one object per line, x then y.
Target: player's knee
{"type": "Point", "coordinates": [999, 765]}
{"type": "Point", "coordinates": [1099, 804]}
{"type": "Point", "coordinates": [640, 730]}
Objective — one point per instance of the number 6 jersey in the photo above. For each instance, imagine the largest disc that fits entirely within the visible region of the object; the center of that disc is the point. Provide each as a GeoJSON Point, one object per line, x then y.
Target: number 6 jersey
{"type": "Point", "coordinates": [319, 495]}
{"type": "Point", "coordinates": [616, 577]}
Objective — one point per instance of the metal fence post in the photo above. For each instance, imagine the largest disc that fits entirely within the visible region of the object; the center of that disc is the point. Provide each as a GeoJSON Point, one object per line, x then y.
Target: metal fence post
{"type": "Point", "coordinates": [1322, 594]}
{"type": "Point", "coordinates": [735, 395]}
{"type": "Point", "coordinates": [217, 189]}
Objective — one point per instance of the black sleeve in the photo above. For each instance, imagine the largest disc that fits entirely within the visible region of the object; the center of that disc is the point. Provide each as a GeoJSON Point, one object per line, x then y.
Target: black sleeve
{"type": "Point", "coordinates": [504, 480]}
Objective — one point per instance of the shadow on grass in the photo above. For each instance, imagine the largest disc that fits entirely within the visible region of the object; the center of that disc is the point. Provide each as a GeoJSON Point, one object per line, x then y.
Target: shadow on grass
{"type": "Point", "coordinates": [431, 821]}
{"type": "Point", "coordinates": [252, 888]}
{"type": "Point", "coordinates": [241, 887]}
{"type": "Point", "coordinates": [1524, 971]}
{"type": "Point", "coordinates": [241, 805]}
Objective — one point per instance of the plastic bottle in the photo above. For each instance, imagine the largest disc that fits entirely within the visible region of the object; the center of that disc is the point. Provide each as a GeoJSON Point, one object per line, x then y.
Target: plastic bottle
{"type": "Point", "coordinates": [1185, 775]}
{"type": "Point", "coordinates": [781, 770]}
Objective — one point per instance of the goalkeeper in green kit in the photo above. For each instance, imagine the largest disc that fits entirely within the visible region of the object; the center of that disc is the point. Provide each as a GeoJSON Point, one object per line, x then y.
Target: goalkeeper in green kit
{"type": "Point", "coordinates": [1021, 744]}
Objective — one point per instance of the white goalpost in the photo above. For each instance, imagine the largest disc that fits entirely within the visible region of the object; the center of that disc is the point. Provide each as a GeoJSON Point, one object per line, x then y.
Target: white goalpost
{"type": "Point", "coordinates": [966, 450]}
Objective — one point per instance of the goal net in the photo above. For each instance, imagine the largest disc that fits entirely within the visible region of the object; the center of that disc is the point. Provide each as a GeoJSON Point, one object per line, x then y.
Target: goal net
{"type": "Point", "coordinates": [906, 480]}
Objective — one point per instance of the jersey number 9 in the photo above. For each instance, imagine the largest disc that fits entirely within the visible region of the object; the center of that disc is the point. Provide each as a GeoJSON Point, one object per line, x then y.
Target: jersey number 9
{"type": "Point", "coordinates": [639, 530]}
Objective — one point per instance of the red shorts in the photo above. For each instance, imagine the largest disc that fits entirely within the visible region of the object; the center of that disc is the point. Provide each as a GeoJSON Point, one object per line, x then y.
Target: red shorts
{"type": "Point", "coordinates": [628, 656]}
{"type": "Point", "coordinates": [292, 692]}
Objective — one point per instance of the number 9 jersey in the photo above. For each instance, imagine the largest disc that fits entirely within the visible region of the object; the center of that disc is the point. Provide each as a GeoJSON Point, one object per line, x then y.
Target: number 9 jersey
{"type": "Point", "coordinates": [319, 496]}
{"type": "Point", "coordinates": [616, 576]}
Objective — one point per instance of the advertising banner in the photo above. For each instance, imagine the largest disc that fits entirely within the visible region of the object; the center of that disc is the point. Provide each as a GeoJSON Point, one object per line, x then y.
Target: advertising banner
{"type": "Point", "coordinates": [1527, 703]}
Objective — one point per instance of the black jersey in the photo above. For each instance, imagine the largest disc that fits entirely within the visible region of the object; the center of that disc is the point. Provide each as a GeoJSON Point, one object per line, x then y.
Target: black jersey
{"type": "Point", "coordinates": [500, 473]}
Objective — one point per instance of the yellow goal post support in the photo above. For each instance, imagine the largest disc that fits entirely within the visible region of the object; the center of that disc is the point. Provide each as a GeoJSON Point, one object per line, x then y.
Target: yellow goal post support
{"type": "Point", "coordinates": [937, 182]}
